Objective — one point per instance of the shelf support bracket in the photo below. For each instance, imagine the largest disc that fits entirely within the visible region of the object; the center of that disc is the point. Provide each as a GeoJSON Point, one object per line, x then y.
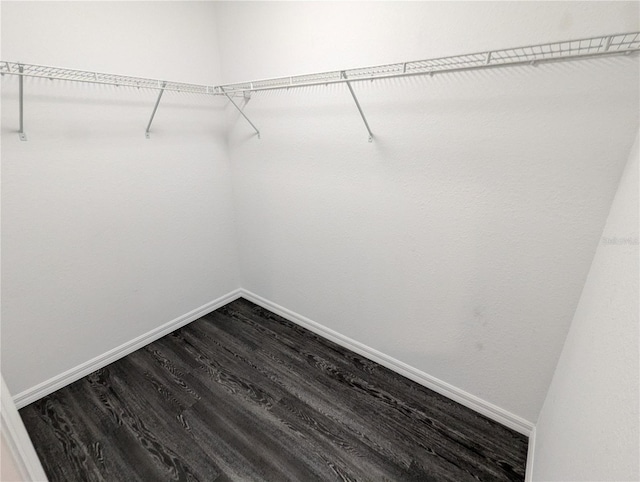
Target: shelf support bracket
{"type": "Point", "coordinates": [155, 108]}
{"type": "Point", "coordinates": [21, 134]}
{"type": "Point", "coordinates": [353, 94]}
{"type": "Point", "coordinates": [242, 113]}
{"type": "Point", "coordinates": [608, 43]}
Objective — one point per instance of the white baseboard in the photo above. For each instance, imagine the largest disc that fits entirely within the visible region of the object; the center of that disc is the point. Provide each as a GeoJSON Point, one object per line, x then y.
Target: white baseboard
{"type": "Point", "coordinates": [43, 389]}
{"type": "Point", "coordinates": [468, 400]}
{"type": "Point", "coordinates": [22, 455]}
{"type": "Point", "coordinates": [528, 475]}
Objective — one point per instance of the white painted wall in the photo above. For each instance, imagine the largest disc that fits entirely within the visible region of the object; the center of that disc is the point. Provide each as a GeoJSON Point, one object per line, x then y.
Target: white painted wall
{"type": "Point", "coordinates": [107, 235]}
{"type": "Point", "coordinates": [459, 241]}
{"type": "Point", "coordinates": [589, 425]}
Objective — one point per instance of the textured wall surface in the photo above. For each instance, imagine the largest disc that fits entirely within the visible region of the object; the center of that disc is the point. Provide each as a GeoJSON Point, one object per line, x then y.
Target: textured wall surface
{"type": "Point", "coordinates": [458, 241]}
{"type": "Point", "coordinates": [107, 235]}
{"type": "Point", "coordinates": [589, 425]}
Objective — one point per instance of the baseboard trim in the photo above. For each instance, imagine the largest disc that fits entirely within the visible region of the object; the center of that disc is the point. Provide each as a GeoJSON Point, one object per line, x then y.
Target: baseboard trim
{"type": "Point", "coordinates": [528, 475]}
{"type": "Point", "coordinates": [19, 444]}
{"type": "Point", "coordinates": [464, 398]}
{"type": "Point", "coordinates": [473, 402]}
{"type": "Point", "coordinates": [43, 389]}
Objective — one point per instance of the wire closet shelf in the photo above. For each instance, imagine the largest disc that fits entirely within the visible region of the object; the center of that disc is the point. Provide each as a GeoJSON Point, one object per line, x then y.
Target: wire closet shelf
{"type": "Point", "coordinates": [606, 45]}
{"type": "Point", "coordinates": [623, 43]}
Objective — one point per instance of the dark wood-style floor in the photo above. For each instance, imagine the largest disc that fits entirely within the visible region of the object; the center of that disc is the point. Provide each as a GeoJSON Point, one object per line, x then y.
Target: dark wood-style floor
{"type": "Point", "coordinates": [242, 394]}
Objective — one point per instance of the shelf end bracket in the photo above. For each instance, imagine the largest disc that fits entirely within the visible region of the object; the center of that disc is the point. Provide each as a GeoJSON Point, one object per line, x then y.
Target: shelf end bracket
{"type": "Point", "coordinates": [155, 108]}
{"type": "Point", "coordinates": [355, 99]}
{"type": "Point", "coordinates": [21, 133]}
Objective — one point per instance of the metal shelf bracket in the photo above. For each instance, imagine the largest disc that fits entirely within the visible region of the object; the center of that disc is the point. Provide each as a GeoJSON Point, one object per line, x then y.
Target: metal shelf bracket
{"type": "Point", "coordinates": [155, 108]}
{"type": "Point", "coordinates": [21, 134]}
{"type": "Point", "coordinates": [355, 99]}
{"type": "Point", "coordinates": [247, 97]}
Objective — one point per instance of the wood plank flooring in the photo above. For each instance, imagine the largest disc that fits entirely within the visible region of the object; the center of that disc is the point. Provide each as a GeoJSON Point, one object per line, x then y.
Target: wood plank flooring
{"type": "Point", "coordinates": [242, 394]}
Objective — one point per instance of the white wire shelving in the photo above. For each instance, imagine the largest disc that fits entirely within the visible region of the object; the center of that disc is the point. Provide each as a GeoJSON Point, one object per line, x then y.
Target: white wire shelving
{"type": "Point", "coordinates": [577, 49]}
{"type": "Point", "coordinates": [531, 54]}
{"type": "Point", "coordinates": [59, 73]}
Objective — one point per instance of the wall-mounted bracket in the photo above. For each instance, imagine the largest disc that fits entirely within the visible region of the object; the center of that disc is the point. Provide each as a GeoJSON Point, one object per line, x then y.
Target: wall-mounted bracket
{"type": "Point", "coordinates": [155, 108]}
{"type": "Point", "coordinates": [21, 134]}
{"type": "Point", "coordinates": [353, 94]}
{"type": "Point", "coordinates": [242, 113]}
{"type": "Point", "coordinates": [607, 44]}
